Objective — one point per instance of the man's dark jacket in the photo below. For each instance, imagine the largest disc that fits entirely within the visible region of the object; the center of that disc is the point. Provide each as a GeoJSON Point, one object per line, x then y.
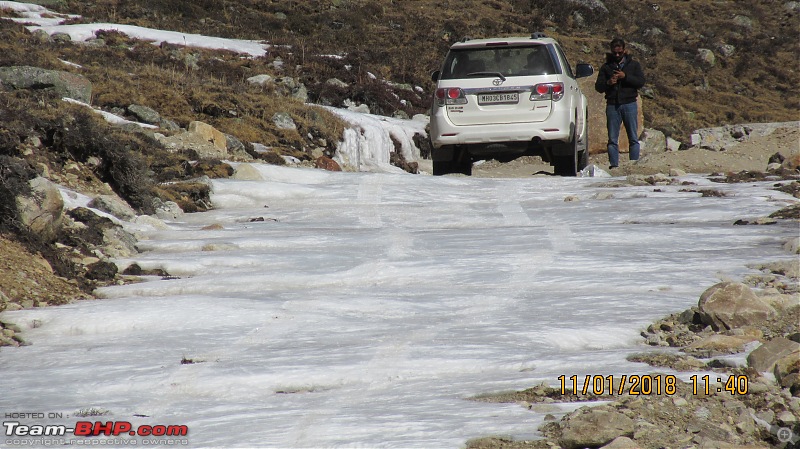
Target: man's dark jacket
{"type": "Point", "coordinates": [626, 90]}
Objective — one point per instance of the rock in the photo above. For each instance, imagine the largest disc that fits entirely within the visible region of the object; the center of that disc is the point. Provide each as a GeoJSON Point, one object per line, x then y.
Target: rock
{"type": "Point", "coordinates": [743, 21]}
{"type": "Point", "coordinates": [61, 38]}
{"type": "Point", "coordinates": [145, 114]}
{"type": "Point", "coordinates": [792, 162]}
{"type": "Point", "coordinates": [210, 134]}
{"type": "Point", "coordinates": [118, 243]}
{"type": "Point", "coordinates": [781, 301]}
{"type": "Point", "coordinates": [673, 145]}
{"type": "Point", "coordinates": [113, 205]}
{"type": "Point", "coordinates": [63, 84]}
{"type": "Point", "coordinates": [153, 222]}
{"type": "Point", "coordinates": [336, 82]}
{"type": "Point", "coordinates": [236, 148]}
{"type": "Point", "coordinates": [726, 50]}
{"type": "Point", "coordinates": [41, 36]}
{"type": "Point", "coordinates": [676, 172]}
{"type": "Point", "coordinates": [706, 58]}
{"type": "Point", "coordinates": [593, 5]}
{"type": "Point", "coordinates": [201, 138]}
{"type": "Point", "coordinates": [764, 358]}
{"type": "Point", "coordinates": [719, 344]}
{"type": "Point", "coordinates": [622, 443]}
{"type": "Point", "coordinates": [725, 137]}
{"type": "Point", "coordinates": [283, 121]}
{"type": "Point", "coordinates": [260, 79]}
{"type": "Point", "coordinates": [728, 305]}
{"type": "Point", "coordinates": [101, 271]}
{"type": "Point", "coordinates": [793, 245]}
{"type": "Point", "coordinates": [327, 163]}
{"type": "Point", "coordinates": [246, 172]}
{"type": "Point", "coordinates": [167, 210]}
{"type": "Point", "coordinates": [787, 369]}
{"type": "Point", "coordinates": [42, 211]}
{"type": "Point", "coordinates": [352, 106]}
{"type": "Point", "coordinates": [653, 141]}
{"type": "Point", "coordinates": [592, 427]}
{"type": "Point", "coordinates": [168, 124]}
{"type": "Point", "coordinates": [715, 444]}
{"type": "Point", "coordinates": [213, 168]}
{"type": "Point", "coordinates": [291, 87]}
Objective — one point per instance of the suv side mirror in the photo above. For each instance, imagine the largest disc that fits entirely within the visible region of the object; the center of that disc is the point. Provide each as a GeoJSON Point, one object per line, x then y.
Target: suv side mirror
{"type": "Point", "coordinates": [583, 70]}
{"type": "Point", "coordinates": [435, 75]}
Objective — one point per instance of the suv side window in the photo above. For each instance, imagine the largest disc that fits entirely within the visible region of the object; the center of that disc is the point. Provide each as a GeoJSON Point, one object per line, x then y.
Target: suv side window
{"type": "Point", "coordinates": [563, 57]}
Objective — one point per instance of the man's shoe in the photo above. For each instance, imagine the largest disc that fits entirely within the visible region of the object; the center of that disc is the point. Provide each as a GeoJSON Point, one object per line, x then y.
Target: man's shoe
{"type": "Point", "coordinates": [612, 166]}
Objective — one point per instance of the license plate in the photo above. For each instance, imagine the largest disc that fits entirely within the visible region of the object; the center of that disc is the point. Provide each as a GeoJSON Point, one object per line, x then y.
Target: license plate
{"type": "Point", "coordinates": [503, 98]}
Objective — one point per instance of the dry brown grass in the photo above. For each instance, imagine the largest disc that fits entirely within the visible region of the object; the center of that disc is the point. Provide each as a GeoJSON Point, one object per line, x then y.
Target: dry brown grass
{"type": "Point", "coordinates": [404, 41]}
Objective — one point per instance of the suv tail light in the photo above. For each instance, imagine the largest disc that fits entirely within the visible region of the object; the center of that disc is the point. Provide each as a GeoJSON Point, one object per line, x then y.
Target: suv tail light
{"type": "Point", "coordinates": [547, 91]}
{"type": "Point", "coordinates": [450, 95]}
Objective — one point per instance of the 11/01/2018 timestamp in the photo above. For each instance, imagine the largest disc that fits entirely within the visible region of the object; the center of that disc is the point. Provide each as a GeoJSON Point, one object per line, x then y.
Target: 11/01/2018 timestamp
{"type": "Point", "coordinates": [646, 385]}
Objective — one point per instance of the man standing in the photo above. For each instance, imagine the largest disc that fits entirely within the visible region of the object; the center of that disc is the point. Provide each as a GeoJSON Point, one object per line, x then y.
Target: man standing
{"type": "Point", "coordinates": [620, 79]}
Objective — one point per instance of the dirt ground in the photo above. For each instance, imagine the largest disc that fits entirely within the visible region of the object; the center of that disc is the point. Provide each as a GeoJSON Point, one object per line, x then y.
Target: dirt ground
{"type": "Point", "coordinates": [750, 155]}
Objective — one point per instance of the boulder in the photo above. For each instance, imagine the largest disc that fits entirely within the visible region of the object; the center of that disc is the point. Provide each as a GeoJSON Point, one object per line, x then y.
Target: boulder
{"type": "Point", "coordinates": [622, 443]}
{"type": "Point", "coordinates": [764, 358]}
{"type": "Point", "coordinates": [43, 210]}
{"type": "Point", "coordinates": [246, 172]}
{"type": "Point", "coordinates": [64, 84]}
{"type": "Point", "coordinates": [203, 139]}
{"type": "Point", "coordinates": [260, 79]}
{"type": "Point", "coordinates": [283, 121]}
{"type": "Point", "coordinates": [210, 134]}
{"type": "Point", "coordinates": [787, 370]}
{"type": "Point", "coordinates": [101, 235]}
{"type": "Point", "coordinates": [728, 305]}
{"type": "Point", "coordinates": [706, 58]}
{"type": "Point", "coordinates": [720, 344]}
{"type": "Point", "coordinates": [145, 114]}
{"type": "Point", "coordinates": [673, 145]}
{"type": "Point", "coordinates": [793, 245]}
{"type": "Point", "coordinates": [653, 141]}
{"type": "Point", "coordinates": [327, 163]}
{"type": "Point", "coordinates": [725, 137]}
{"type": "Point", "coordinates": [236, 148]}
{"type": "Point", "coordinates": [594, 427]}
{"type": "Point", "coordinates": [113, 205]}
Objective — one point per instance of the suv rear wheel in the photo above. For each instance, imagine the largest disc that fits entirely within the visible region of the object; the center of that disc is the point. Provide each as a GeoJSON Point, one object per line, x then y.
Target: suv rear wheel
{"type": "Point", "coordinates": [461, 163]}
{"type": "Point", "coordinates": [567, 165]}
{"type": "Point", "coordinates": [578, 157]}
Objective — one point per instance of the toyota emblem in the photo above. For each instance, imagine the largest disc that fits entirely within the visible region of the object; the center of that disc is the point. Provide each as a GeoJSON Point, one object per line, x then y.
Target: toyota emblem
{"type": "Point", "coordinates": [498, 81]}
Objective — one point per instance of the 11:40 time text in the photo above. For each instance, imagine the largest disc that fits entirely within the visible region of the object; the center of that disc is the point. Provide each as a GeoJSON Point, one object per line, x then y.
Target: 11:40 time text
{"type": "Point", "coordinates": [734, 384]}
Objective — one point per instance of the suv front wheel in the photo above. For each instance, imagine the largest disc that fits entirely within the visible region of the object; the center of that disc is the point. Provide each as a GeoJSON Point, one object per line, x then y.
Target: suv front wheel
{"type": "Point", "coordinates": [461, 162]}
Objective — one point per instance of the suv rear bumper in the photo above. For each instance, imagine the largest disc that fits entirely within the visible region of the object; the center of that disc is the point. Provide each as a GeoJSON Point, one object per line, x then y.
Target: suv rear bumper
{"type": "Point", "coordinates": [444, 132]}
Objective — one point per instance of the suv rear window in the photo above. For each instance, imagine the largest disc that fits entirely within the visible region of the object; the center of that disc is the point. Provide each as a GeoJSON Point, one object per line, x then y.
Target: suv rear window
{"type": "Point", "coordinates": [487, 62]}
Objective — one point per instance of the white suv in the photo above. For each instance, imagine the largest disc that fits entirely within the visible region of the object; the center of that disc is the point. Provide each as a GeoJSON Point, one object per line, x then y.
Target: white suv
{"type": "Point", "coordinates": [503, 98]}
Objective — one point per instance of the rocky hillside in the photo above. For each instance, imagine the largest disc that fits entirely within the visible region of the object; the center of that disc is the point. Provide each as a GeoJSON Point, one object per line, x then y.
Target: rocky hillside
{"type": "Point", "coordinates": [709, 63]}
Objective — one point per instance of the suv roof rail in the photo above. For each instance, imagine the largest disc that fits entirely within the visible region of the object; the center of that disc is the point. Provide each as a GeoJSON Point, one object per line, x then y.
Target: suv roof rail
{"type": "Point", "coordinates": [466, 38]}
{"type": "Point", "coordinates": [538, 35]}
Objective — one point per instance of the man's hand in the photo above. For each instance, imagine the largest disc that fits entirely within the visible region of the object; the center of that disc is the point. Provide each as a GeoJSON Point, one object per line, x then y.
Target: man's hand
{"type": "Point", "coordinates": [618, 75]}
